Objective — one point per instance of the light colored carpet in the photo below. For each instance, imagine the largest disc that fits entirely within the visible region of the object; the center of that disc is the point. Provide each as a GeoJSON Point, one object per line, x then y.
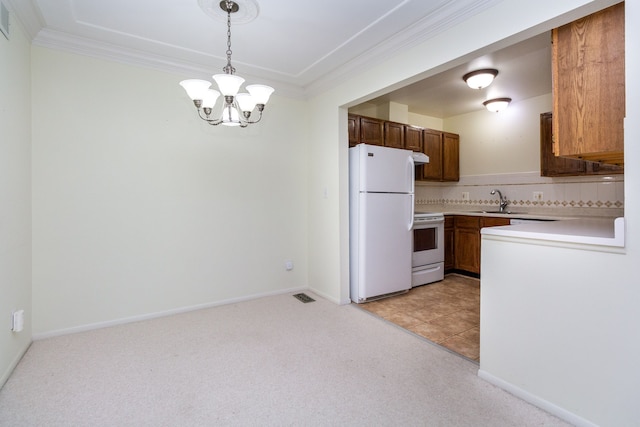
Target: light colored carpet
{"type": "Point", "coordinates": [271, 361]}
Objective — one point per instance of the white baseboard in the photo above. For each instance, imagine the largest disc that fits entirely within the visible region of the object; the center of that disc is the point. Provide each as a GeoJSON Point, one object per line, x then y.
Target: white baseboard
{"type": "Point", "coordinates": [6, 374]}
{"type": "Point", "coordinates": [328, 297]}
{"type": "Point", "coordinates": [122, 321]}
{"type": "Point", "coordinates": [556, 410]}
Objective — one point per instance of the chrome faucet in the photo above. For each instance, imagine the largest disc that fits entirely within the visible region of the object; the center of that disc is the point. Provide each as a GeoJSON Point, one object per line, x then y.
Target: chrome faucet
{"type": "Point", "coordinates": [503, 201]}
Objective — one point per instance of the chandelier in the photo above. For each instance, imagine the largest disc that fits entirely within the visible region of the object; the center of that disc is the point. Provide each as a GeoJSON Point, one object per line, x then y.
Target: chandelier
{"type": "Point", "coordinates": [236, 107]}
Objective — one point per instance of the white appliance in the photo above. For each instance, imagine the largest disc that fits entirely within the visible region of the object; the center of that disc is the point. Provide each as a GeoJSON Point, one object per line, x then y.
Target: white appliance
{"type": "Point", "coordinates": [419, 158]}
{"type": "Point", "coordinates": [428, 248]}
{"type": "Point", "coordinates": [381, 200]}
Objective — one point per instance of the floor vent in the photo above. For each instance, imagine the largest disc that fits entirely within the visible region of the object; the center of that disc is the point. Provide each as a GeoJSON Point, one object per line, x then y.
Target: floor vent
{"type": "Point", "coordinates": [304, 298]}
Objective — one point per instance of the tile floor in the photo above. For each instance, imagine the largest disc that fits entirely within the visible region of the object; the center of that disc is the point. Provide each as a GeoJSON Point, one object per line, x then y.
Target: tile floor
{"type": "Point", "coordinates": [446, 312]}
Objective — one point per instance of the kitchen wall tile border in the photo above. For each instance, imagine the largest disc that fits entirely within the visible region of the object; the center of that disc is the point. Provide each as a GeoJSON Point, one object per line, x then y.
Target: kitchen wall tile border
{"type": "Point", "coordinates": [590, 195]}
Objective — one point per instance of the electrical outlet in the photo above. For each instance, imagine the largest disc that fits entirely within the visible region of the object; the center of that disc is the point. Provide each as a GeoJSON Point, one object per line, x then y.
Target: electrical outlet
{"type": "Point", "coordinates": [465, 195]}
{"type": "Point", "coordinates": [288, 265]}
{"type": "Point", "coordinates": [538, 196]}
{"type": "Point", "coordinates": [17, 320]}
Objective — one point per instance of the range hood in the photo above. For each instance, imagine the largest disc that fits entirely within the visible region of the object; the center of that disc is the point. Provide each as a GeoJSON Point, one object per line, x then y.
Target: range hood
{"type": "Point", "coordinates": [420, 158]}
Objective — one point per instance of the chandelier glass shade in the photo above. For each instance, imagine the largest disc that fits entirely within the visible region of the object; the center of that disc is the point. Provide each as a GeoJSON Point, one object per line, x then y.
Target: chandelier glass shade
{"type": "Point", "coordinates": [236, 107]}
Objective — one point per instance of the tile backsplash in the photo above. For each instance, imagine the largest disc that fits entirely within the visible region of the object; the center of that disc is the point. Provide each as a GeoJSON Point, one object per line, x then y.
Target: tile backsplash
{"type": "Point", "coordinates": [584, 195]}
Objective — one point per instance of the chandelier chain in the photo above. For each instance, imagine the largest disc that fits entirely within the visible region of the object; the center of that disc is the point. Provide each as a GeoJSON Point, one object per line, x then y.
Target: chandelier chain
{"type": "Point", "coordinates": [229, 69]}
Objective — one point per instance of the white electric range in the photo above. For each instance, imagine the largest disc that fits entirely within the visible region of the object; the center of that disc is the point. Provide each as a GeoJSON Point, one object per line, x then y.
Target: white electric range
{"type": "Point", "coordinates": [428, 248]}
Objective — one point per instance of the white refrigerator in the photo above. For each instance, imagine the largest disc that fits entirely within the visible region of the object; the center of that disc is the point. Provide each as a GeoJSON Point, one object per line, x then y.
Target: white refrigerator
{"type": "Point", "coordinates": [381, 207]}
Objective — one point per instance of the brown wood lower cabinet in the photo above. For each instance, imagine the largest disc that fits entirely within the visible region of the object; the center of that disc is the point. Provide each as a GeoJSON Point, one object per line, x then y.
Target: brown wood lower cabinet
{"type": "Point", "coordinates": [449, 243]}
{"type": "Point", "coordinates": [467, 243]}
{"type": "Point", "coordinates": [465, 238]}
{"type": "Point", "coordinates": [489, 221]}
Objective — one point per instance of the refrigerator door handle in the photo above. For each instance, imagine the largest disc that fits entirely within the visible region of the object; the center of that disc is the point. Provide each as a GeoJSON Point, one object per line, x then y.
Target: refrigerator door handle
{"type": "Point", "coordinates": [411, 173]}
{"type": "Point", "coordinates": [411, 170]}
{"type": "Point", "coordinates": [413, 206]}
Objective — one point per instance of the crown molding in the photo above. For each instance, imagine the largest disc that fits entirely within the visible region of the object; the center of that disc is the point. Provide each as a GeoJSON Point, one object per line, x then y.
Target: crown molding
{"type": "Point", "coordinates": [441, 20]}
{"type": "Point", "coordinates": [57, 40]}
{"type": "Point", "coordinates": [28, 16]}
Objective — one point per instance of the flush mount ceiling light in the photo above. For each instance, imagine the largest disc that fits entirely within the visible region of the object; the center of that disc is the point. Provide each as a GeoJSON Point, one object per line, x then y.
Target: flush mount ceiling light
{"type": "Point", "coordinates": [236, 107]}
{"type": "Point", "coordinates": [480, 79]}
{"type": "Point", "coordinates": [497, 104]}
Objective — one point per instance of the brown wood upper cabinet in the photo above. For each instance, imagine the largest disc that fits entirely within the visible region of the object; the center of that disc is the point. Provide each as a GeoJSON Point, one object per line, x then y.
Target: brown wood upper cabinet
{"type": "Point", "coordinates": [552, 165]}
{"type": "Point", "coordinates": [394, 135]}
{"type": "Point", "coordinates": [588, 69]}
{"type": "Point", "coordinates": [373, 131]}
{"type": "Point", "coordinates": [443, 149]}
{"type": "Point", "coordinates": [365, 130]}
{"type": "Point", "coordinates": [412, 138]}
{"type": "Point", "coordinates": [353, 122]}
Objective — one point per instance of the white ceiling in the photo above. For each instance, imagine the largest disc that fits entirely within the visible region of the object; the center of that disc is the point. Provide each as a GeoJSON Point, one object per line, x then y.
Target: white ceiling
{"type": "Point", "coordinates": [524, 72]}
{"type": "Point", "coordinates": [298, 47]}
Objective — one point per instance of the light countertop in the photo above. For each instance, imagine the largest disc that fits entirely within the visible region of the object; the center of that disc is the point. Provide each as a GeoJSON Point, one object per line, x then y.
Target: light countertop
{"type": "Point", "coordinates": [588, 231]}
{"type": "Point", "coordinates": [515, 214]}
{"type": "Point", "coordinates": [575, 229]}
{"type": "Point", "coordinates": [511, 215]}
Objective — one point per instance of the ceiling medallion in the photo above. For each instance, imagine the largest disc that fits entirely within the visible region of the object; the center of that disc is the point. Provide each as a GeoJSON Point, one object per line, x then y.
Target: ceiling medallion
{"type": "Point", "coordinates": [247, 10]}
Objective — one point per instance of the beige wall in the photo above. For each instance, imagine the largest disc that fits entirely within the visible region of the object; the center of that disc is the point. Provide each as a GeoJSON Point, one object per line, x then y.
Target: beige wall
{"type": "Point", "coordinates": [370, 110]}
{"type": "Point", "coordinates": [396, 112]}
{"type": "Point", "coordinates": [426, 121]}
{"type": "Point", "coordinates": [15, 195]}
{"type": "Point", "coordinates": [505, 142]}
{"type": "Point", "coordinates": [140, 208]}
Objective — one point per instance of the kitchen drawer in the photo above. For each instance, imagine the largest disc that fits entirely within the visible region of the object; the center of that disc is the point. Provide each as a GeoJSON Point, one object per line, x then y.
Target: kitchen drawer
{"type": "Point", "coordinates": [468, 222]}
{"type": "Point", "coordinates": [495, 222]}
{"type": "Point", "coordinates": [448, 221]}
